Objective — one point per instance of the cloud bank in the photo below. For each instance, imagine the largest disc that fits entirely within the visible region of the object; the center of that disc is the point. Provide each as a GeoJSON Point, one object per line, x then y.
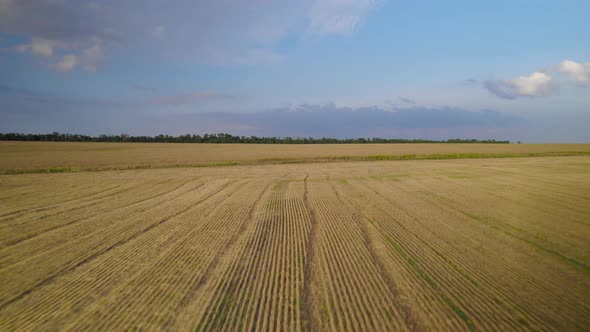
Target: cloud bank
{"type": "Point", "coordinates": [47, 113]}
{"type": "Point", "coordinates": [71, 34]}
{"type": "Point", "coordinates": [333, 121]}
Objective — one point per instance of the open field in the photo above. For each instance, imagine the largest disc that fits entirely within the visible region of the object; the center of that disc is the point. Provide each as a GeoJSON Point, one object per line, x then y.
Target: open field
{"type": "Point", "coordinates": [17, 157]}
{"type": "Point", "coordinates": [457, 245]}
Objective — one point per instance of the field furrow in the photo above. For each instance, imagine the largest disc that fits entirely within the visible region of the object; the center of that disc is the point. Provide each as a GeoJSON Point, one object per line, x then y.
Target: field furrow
{"type": "Point", "coordinates": [84, 287]}
{"type": "Point", "coordinates": [95, 224]}
{"type": "Point", "coordinates": [365, 301]}
{"type": "Point", "coordinates": [23, 276]}
{"type": "Point", "coordinates": [18, 231]}
{"type": "Point", "coordinates": [423, 250]}
{"type": "Point", "coordinates": [184, 264]}
{"type": "Point", "coordinates": [260, 287]}
{"type": "Point", "coordinates": [512, 265]}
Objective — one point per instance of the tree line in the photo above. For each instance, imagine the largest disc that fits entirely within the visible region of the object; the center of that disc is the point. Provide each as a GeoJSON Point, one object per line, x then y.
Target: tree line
{"type": "Point", "coordinates": [221, 138]}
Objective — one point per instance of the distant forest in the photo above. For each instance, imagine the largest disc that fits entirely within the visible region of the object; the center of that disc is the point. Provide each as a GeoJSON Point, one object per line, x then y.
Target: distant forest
{"type": "Point", "coordinates": [221, 138]}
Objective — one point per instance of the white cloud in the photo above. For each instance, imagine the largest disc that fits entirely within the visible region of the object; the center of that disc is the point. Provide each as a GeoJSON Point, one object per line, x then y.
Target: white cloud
{"type": "Point", "coordinates": [341, 17]}
{"type": "Point", "coordinates": [87, 58]}
{"type": "Point", "coordinates": [91, 56]}
{"type": "Point", "coordinates": [579, 72]}
{"type": "Point", "coordinates": [43, 47]}
{"type": "Point", "coordinates": [535, 85]}
{"type": "Point", "coordinates": [67, 62]}
{"type": "Point", "coordinates": [71, 35]}
{"type": "Point", "coordinates": [40, 47]}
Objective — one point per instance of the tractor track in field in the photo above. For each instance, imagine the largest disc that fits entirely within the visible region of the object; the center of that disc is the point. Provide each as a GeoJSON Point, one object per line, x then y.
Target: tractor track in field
{"type": "Point", "coordinates": [308, 317]}
{"type": "Point", "coordinates": [411, 321]}
{"type": "Point", "coordinates": [215, 261]}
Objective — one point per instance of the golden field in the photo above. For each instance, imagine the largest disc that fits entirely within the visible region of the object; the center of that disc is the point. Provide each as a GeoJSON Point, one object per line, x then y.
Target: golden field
{"type": "Point", "coordinates": [455, 245]}
{"type": "Point", "coordinates": [42, 156]}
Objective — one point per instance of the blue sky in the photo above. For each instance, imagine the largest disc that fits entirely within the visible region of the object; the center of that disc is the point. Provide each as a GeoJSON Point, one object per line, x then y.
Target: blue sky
{"type": "Point", "coordinates": [517, 69]}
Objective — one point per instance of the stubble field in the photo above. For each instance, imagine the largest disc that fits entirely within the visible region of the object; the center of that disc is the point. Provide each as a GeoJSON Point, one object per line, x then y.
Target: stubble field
{"type": "Point", "coordinates": [22, 157]}
{"type": "Point", "coordinates": [457, 245]}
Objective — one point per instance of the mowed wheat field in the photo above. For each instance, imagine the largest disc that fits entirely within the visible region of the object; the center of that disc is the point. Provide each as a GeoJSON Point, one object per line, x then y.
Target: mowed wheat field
{"type": "Point", "coordinates": [456, 245]}
{"type": "Point", "coordinates": [19, 157]}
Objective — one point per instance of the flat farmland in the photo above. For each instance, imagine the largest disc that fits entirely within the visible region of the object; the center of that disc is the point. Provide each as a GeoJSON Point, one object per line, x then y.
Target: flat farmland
{"type": "Point", "coordinates": [415, 245]}
{"type": "Point", "coordinates": [68, 156]}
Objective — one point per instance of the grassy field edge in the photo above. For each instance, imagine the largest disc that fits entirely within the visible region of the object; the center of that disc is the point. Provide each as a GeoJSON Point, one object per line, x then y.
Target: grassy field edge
{"type": "Point", "coordinates": [270, 161]}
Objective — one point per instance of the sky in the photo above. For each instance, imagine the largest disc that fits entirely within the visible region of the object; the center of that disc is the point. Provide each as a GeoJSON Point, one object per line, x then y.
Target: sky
{"type": "Point", "coordinates": [504, 69]}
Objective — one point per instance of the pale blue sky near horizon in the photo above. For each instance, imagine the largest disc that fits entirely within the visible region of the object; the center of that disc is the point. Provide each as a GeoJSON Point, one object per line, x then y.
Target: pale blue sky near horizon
{"type": "Point", "coordinates": [517, 70]}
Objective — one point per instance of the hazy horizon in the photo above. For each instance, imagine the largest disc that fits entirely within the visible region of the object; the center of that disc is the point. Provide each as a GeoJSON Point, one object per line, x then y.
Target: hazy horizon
{"type": "Point", "coordinates": [513, 70]}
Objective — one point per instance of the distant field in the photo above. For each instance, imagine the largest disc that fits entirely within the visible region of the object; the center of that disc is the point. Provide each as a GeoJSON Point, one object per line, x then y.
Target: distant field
{"type": "Point", "coordinates": [455, 245]}
{"type": "Point", "coordinates": [40, 156]}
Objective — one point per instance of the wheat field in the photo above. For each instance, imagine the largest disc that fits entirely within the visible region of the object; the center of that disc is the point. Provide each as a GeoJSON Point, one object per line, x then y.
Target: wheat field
{"type": "Point", "coordinates": [59, 156]}
{"type": "Point", "coordinates": [456, 245]}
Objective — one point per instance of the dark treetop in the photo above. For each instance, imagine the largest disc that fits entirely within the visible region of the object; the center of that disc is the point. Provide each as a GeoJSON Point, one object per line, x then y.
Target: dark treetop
{"type": "Point", "coordinates": [221, 138]}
